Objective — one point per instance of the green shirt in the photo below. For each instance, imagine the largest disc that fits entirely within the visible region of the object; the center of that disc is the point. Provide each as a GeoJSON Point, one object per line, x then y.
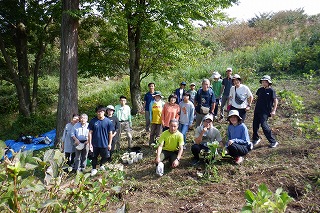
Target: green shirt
{"type": "Point", "coordinates": [172, 142]}
{"type": "Point", "coordinates": [216, 87]}
{"type": "Point", "coordinates": [123, 113]}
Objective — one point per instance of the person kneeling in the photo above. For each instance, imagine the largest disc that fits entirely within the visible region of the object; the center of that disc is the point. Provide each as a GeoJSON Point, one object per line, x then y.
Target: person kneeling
{"type": "Point", "coordinates": [204, 134]}
{"type": "Point", "coordinates": [238, 144]}
{"type": "Point", "coordinates": [170, 147]}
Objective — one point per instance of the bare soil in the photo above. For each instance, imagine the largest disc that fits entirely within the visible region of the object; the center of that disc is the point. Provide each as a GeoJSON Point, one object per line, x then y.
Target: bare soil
{"type": "Point", "coordinates": [294, 166]}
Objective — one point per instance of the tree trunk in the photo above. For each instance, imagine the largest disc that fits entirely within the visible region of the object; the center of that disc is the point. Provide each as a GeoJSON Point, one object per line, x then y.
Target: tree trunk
{"type": "Point", "coordinates": [34, 102]}
{"type": "Point", "coordinates": [134, 36]}
{"type": "Point", "coordinates": [68, 90]}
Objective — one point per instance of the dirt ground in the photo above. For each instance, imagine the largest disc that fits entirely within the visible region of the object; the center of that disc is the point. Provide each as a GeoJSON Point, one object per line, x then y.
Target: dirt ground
{"type": "Point", "coordinates": [294, 166]}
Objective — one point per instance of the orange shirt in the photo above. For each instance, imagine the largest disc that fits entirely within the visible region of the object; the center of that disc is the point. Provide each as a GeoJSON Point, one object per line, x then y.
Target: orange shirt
{"type": "Point", "coordinates": [170, 112]}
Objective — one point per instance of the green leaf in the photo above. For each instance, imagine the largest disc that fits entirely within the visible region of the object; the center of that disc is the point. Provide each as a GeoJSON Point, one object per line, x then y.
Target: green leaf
{"type": "Point", "coordinates": [246, 209]}
{"type": "Point", "coordinates": [249, 196]}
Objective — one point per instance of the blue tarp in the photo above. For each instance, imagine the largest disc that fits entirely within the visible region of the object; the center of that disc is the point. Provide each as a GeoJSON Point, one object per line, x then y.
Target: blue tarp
{"type": "Point", "coordinates": [35, 145]}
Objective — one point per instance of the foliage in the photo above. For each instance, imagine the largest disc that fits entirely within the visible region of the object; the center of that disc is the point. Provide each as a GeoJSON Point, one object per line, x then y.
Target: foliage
{"type": "Point", "coordinates": [266, 201]}
{"type": "Point", "coordinates": [312, 128]}
{"type": "Point", "coordinates": [211, 157]}
{"type": "Point", "coordinates": [27, 27]}
{"type": "Point", "coordinates": [292, 100]}
{"type": "Point", "coordinates": [21, 191]}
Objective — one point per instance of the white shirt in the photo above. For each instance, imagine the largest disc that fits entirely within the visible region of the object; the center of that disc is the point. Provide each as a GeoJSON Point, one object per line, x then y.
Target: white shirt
{"type": "Point", "coordinates": [244, 92]}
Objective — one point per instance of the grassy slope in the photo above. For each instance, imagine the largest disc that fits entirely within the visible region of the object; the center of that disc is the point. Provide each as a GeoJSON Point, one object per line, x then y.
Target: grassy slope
{"type": "Point", "coordinates": [292, 166]}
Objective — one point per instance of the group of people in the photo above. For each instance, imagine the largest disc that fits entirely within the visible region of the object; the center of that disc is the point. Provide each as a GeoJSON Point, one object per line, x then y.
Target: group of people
{"type": "Point", "coordinates": [168, 122]}
{"type": "Point", "coordinates": [175, 117]}
{"type": "Point", "coordinates": [100, 136]}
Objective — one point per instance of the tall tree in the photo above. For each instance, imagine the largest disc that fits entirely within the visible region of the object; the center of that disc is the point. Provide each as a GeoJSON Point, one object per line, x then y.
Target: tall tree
{"type": "Point", "coordinates": [140, 14]}
{"type": "Point", "coordinates": [26, 27]}
{"type": "Point", "coordinates": [68, 90]}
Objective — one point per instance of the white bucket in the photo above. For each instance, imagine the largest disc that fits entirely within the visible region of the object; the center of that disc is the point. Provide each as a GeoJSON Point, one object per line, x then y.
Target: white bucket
{"type": "Point", "coordinates": [125, 159]}
{"type": "Point", "coordinates": [132, 154]}
{"type": "Point", "coordinates": [140, 156]}
{"type": "Point", "coordinates": [130, 161]}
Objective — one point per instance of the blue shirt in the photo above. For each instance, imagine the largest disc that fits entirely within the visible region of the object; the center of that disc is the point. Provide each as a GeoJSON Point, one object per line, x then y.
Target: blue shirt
{"type": "Point", "coordinates": [227, 83]}
{"type": "Point", "coordinates": [147, 99]}
{"type": "Point", "coordinates": [100, 132]}
{"type": "Point", "coordinates": [239, 134]}
{"type": "Point", "coordinates": [204, 98]}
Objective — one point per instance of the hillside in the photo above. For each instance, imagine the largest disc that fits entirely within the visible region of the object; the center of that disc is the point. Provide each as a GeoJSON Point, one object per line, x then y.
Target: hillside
{"type": "Point", "coordinates": [293, 166]}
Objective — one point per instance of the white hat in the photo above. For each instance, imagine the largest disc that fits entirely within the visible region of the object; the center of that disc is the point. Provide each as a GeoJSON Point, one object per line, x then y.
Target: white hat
{"type": "Point", "coordinates": [80, 146]}
{"type": "Point", "coordinates": [236, 76]}
{"type": "Point", "coordinates": [208, 116]}
{"type": "Point", "coordinates": [110, 107]}
{"type": "Point", "coordinates": [234, 112]}
{"type": "Point", "coordinates": [215, 75]}
{"type": "Point", "coordinates": [229, 68]}
{"type": "Point", "coordinates": [266, 78]}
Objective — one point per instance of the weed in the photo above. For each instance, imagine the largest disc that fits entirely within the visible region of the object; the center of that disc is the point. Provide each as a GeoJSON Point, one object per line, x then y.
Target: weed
{"type": "Point", "coordinates": [292, 100]}
{"type": "Point", "coordinates": [266, 201]}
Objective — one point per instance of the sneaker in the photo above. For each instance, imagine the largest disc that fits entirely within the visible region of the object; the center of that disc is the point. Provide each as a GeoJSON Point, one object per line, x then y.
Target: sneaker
{"type": "Point", "coordinates": [239, 160]}
{"type": "Point", "coordinates": [94, 172]}
{"type": "Point", "coordinates": [152, 145]}
{"type": "Point", "coordinates": [274, 145]}
{"type": "Point", "coordinates": [102, 168]}
{"type": "Point", "coordinates": [256, 142]}
{"type": "Point", "coordinates": [160, 169]}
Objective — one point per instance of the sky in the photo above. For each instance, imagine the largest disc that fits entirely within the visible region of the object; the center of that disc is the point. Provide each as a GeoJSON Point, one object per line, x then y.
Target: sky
{"type": "Point", "coordinates": [248, 9]}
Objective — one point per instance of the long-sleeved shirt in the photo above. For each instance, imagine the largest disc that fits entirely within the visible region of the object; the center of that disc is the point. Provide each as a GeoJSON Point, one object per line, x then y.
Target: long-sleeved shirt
{"type": "Point", "coordinates": [186, 113]}
{"type": "Point", "coordinates": [123, 113]}
{"type": "Point", "coordinates": [239, 134]}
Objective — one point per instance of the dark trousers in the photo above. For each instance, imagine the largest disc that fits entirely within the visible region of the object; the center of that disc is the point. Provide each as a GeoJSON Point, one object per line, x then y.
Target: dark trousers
{"type": "Point", "coordinates": [70, 158]}
{"type": "Point", "coordinates": [262, 119]}
{"type": "Point", "coordinates": [171, 156]}
{"type": "Point", "coordinates": [236, 150]}
{"type": "Point", "coordinates": [215, 112]}
{"type": "Point", "coordinates": [242, 113]}
{"type": "Point", "coordinates": [196, 148]}
{"type": "Point", "coordinates": [104, 154]}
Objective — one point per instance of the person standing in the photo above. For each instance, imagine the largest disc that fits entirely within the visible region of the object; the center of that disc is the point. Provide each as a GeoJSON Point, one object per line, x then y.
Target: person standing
{"type": "Point", "coordinates": [67, 142]}
{"type": "Point", "coordinates": [115, 132]}
{"type": "Point", "coordinates": [238, 144]}
{"type": "Point", "coordinates": [204, 134]}
{"type": "Point", "coordinates": [170, 111]}
{"type": "Point", "coordinates": [156, 107]}
{"type": "Point", "coordinates": [186, 116]}
{"type": "Point", "coordinates": [148, 97]}
{"type": "Point", "coordinates": [100, 138]}
{"type": "Point", "coordinates": [123, 113]}
{"type": "Point", "coordinates": [225, 90]}
{"type": "Point", "coordinates": [192, 91]}
{"type": "Point", "coordinates": [179, 92]}
{"type": "Point", "coordinates": [240, 97]}
{"type": "Point", "coordinates": [80, 134]}
{"type": "Point", "coordinates": [216, 86]}
{"type": "Point", "coordinates": [170, 147]}
{"type": "Point", "coordinates": [266, 107]}
{"type": "Point", "coordinates": [205, 101]}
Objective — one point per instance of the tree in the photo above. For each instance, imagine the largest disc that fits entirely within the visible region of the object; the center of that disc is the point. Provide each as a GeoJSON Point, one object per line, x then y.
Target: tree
{"type": "Point", "coordinates": [26, 28]}
{"type": "Point", "coordinates": [140, 16]}
{"type": "Point", "coordinates": [68, 90]}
